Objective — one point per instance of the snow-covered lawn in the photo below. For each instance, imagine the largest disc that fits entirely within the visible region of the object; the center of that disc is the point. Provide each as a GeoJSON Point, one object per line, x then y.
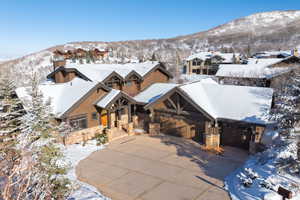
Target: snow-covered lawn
{"type": "Point", "coordinates": [73, 155]}
{"type": "Point", "coordinates": [265, 172]}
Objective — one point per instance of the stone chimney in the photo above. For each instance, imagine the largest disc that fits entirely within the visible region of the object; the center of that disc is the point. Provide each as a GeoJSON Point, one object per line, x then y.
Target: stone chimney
{"type": "Point", "coordinates": [58, 61]}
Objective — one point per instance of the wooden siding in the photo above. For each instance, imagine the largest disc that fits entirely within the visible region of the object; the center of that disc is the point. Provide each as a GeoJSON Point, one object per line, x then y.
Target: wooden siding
{"type": "Point", "coordinates": [156, 76]}
{"type": "Point", "coordinates": [87, 108]}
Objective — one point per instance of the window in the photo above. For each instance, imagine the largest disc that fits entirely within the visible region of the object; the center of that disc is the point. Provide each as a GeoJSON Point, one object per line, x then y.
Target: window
{"type": "Point", "coordinates": [109, 84]}
{"type": "Point", "coordinates": [94, 116]}
{"type": "Point", "coordinates": [128, 83]}
{"type": "Point", "coordinates": [79, 123]}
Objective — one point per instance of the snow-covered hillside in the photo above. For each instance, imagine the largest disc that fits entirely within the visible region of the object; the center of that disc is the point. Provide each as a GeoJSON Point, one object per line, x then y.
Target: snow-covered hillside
{"type": "Point", "coordinates": [262, 31]}
{"type": "Point", "coordinates": [258, 23]}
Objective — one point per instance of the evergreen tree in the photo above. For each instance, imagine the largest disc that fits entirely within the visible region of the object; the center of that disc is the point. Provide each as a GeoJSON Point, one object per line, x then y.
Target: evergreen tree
{"type": "Point", "coordinates": [38, 143]}
{"type": "Point", "coordinates": [153, 57]}
{"type": "Point", "coordinates": [10, 122]}
{"type": "Point", "coordinates": [286, 99]}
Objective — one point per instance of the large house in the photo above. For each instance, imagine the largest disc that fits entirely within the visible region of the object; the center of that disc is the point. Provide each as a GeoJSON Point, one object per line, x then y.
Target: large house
{"type": "Point", "coordinates": [207, 112]}
{"type": "Point", "coordinates": [116, 98]}
{"type": "Point", "coordinates": [207, 62]}
{"type": "Point", "coordinates": [264, 72]}
{"type": "Point", "coordinates": [93, 97]}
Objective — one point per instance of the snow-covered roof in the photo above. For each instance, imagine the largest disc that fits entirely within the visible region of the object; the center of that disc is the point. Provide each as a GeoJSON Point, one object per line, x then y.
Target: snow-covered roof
{"type": "Point", "coordinates": [153, 92]}
{"type": "Point", "coordinates": [227, 57]}
{"type": "Point", "coordinates": [272, 53]}
{"type": "Point", "coordinates": [62, 96]}
{"type": "Point", "coordinates": [241, 103]}
{"type": "Point", "coordinates": [195, 77]}
{"type": "Point", "coordinates": [103, 102]}
{"type": "Point", "coordinates": [255, 68]}
{"type": "Point", "coordinates": [98, 72]}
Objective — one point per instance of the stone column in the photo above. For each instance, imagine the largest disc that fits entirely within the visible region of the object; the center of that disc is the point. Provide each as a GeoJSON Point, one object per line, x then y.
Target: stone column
{"type": "Point", "coordinates": [211, 136]}
{"type": "Point", "coordinates": [154, 129]}
{"type": "Point", "coordinates": [135, 121]}
{"type": "Point", "coordinates": [130, 129]}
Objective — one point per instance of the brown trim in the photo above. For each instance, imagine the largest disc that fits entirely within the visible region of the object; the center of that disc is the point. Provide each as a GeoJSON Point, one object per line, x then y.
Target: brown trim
{"type": "Point", "coordinates": [133, 72]}
{"type": "Point", "coordinates": [183, 95]}
{"type": "Point", "coordinates": [121, 94]}
{"type": "Point", "coordinates": [113, 73]}
{"type": "Point", "coordinates": [63, 69]}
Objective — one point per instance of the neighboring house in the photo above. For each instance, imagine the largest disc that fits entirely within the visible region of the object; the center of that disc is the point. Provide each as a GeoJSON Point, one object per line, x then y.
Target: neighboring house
{"type": "Point", "coordinates": [81, 53]}
{"type": "Point", "coordinates": [130, 78]}
{"type": "Point", "coordinates": [272, 54]}
{"type": "Point", "coordinates": [207, 62]}
{"type": "Point", "coordinates": [268, 72]}
{"type": "Point", "coordinates": [208, 112]}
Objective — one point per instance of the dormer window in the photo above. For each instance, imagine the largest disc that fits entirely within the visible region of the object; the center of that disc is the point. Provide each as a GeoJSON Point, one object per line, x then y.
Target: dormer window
{"type": "Point", "coordinates": [197, 62]}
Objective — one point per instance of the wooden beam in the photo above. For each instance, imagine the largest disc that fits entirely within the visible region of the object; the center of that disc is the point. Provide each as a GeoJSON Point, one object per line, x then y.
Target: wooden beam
{"type": "Point", "coordinates": [108, 119]}
{"type": "Point", "coordinates": [129, 113]}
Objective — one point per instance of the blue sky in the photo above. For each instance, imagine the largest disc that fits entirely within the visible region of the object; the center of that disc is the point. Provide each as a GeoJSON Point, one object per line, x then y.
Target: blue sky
{"type": "Point", "coordinates": [32, 25]}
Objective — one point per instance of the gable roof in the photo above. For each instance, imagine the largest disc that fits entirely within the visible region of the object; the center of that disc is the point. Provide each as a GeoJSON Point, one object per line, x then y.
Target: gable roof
{"type": "Point", "coordinates": [227, 57]}
{"type": "Point", "coordinates": [63, 69]}
{"type": "Point", "coordinates": [100, 72]}
{"type": "Point", "coordinates": [107, 100]}
{"type": "Point", "coordinates": [255, 68]}
{"type": "Point", "coordinates": [153, 92]}
{"type": "Point", "coordinates": [239, 103]}
{"type": "Point", "coordinates": [63, 96]}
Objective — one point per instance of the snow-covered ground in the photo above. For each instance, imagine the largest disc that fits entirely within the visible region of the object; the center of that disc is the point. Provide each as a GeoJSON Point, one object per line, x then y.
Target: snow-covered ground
{"type": "Point", "coordinates": [73, 155]}
{"type": "Point", "coordinates": [264, 173]}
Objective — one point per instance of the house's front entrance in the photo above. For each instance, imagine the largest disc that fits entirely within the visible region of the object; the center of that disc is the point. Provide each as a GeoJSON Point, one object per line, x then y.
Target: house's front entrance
{"type": "Point", "coordinates": [103, 119]}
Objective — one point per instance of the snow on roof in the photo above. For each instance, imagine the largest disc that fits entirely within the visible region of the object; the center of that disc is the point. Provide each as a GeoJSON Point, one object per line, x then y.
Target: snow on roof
{"type": "Point", "coordinates": [272, 53]}
{"type": "Point", "coordinates": [98, 72]}
{"type": "Point", "coordinates": [241, 103]}
{"type": "Point", "coordinates": [250, 104]}
{"type": "Point", "coordinates": [153, 92]}
{"type": "Point", "coordinates": [195, 77]}
{"type": "Point", "coordinates": [227, 57]}
{"type": "Point", "coordinates": [62, 96]}
{"type": "Point", "coordinates": [201, 55]}
{"type": "Point", "coordinates": [103, 102]}
{"type": "Point", "coordinates": [255, 68]}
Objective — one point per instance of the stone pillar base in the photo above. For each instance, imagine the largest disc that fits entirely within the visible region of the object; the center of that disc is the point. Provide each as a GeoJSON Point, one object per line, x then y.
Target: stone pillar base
{"type": "Point", "coordinates": [212, 141]}
{"type": "Point", "coordinates": [108, 132]}
{"type": "Point", "coordinates": [154, 128]}
{"type": "Point", "coordinates": [135, 121]}
{"type": "Point", "coordinates": [130, 128]}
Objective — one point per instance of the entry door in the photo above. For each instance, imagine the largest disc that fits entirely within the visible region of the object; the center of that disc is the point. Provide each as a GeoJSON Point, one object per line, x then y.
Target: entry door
{"type": "Point", "coordinates": [104, 119]}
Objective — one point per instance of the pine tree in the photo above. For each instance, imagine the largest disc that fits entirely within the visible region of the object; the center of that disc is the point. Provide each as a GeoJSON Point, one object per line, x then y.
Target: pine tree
{"type": "Point", "coordinates": [38, 143]}
{"type": "Point", "coordinates": [286, 99]}
{"type": "Point", "coordinates": [153, 57]}
{"type": "Point", "coordinates": [10, 122]}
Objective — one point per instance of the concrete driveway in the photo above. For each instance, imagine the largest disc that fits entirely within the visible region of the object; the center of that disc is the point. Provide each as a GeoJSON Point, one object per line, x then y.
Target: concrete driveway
{"type": "Point", "coordinates": [161, 167]}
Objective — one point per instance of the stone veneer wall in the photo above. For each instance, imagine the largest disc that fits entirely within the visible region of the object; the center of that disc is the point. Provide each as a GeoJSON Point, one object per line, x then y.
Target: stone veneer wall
{"type": "Point", "coordinates": [83, 135]}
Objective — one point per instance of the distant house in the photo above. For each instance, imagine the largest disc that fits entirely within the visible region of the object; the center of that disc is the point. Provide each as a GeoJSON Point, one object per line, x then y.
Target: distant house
{"type": "Point", "coordinates": [206, 111]}
{"type": "Point", "coordinates": [207, 62]}
{"type": "Point", "coordinates": [269, 72]}
{"type": "Point", "coordinates": [272, 54]}
{"type": "Point", "coordinates": [80, 53]}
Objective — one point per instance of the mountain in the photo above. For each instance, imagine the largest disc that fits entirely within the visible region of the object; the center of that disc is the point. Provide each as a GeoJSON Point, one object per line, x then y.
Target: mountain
{"type": "Point", "coordinates": [261, 31]}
